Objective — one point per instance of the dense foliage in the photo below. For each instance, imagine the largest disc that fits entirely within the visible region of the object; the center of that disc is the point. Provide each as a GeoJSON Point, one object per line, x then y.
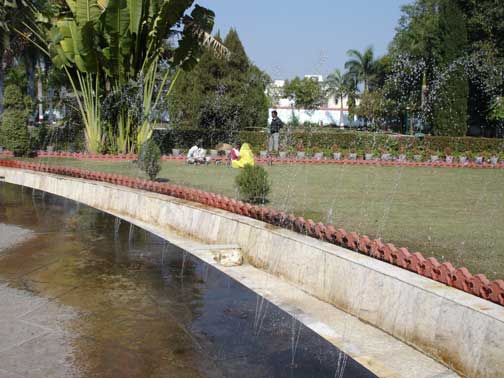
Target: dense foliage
{"type": "Point", "coordinates": [221, 94]}
{"type": "Point", "coordinates": [14, 129]}
{"type": "Point", "coordinates": [253, 184]}
{"type": "Point", "coordinates": [149, 159]}
{"type": "Point", "coordinates": [450, 106]}
{"type": "Point", "coordinates": [307, 93]}
{"type": "Point", "coordinates": [362, 141]}
{"type": "Point", "coordinates": [448, 65]}
{"type": "Point", "coordinates": [105, 46]}
{"type": "Point", "coordinates": [327, 140]}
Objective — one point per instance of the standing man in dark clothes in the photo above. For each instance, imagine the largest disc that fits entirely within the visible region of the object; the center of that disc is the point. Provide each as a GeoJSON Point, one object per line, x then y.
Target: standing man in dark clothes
{"type": "Point", "coordinates": [274, 129]}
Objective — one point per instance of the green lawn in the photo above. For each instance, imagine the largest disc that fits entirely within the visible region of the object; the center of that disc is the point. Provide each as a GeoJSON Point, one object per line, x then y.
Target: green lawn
{"type": "Point", "coordinates": [455, 215]}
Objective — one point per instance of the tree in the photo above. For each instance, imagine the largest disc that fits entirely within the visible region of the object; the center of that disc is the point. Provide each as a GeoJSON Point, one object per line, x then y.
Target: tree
{"type": "Point", "coordinates": [336, 86]}
{"type": "Point", "coordinates": [429, 74]}
{"type": "Point", "coordinates": [352, 91]}
{"type": "Point", "coordinates": [413, 58]}
{"type": "Point", "coordinates": [417, 31]}
{"type": "Point", "coordinates": [307, 93]}
{"type": "Point", "coordinates": [12, 13]}
{"type": "Point", "coordinates": [221, 94]}
{"type": "Point", "coordinates": [14, 127]}
{"type": "Point", "coordinates": [374, 107]}
{"type": "Point", "coordinates": [485, 29]}
{"type": "Point", "coordinates": [497, 111]}
{"type": "Point", "coordinates": [362, 66]}
{"type": "Point", "coordinates": [450, 108]}
{"type": "Point", "coordinates": [149, 159]}
{"type": "Point", "coordinates": [485, 22]}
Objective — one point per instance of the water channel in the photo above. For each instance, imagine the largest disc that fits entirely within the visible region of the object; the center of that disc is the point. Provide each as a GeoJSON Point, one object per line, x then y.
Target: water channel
{"type": "Point", "coordinates": [86, 295]}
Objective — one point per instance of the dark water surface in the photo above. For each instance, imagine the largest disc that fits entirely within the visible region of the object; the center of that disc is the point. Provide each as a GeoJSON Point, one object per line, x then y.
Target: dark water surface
{"type": "Point", "coordinates": [148, 309]}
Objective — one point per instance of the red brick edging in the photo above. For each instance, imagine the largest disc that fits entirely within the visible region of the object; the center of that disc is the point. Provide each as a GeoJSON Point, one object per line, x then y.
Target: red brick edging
{"type": "Point", "coordinates": [445, 273]}
{"type": "Point", "coordinates": [275, 160]}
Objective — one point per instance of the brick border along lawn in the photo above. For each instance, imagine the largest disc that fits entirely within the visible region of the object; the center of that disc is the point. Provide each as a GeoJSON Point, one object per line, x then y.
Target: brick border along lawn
{"type": "Point", "coordinates": [456, 215]}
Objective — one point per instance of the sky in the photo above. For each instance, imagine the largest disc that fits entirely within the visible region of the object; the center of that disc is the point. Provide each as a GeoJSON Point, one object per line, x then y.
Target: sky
{"type": "Point", "coordinates": [295, 38]}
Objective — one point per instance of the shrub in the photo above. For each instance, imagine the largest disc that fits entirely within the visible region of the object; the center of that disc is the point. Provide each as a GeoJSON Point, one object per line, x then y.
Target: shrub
{"type": "Point", "coordinates": [185, 137]}
{"type": "Point", "coordinates": [2, 138]}
{"type": "Point", "coordinates": [392, 144]}
{"type": "Point", "coordinates": [326, 138]}
{"type": "Point", "coordinates": [253, 184]}
{"type": "Point", "coordinates": [149, 159]}
{"type": "Point", "coordinates": [300, 146]}
{"type": "Point", "coordinates": [14, 128]}
{"type": "Point", "coordinates": [39, 137]}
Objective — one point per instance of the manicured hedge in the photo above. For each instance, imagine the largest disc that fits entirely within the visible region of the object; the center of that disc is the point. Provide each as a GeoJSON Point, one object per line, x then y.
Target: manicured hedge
{"type": "Point", "coordinates": [361, 141]}
{"type": "Point", "coordinates": [185, 138]}
{"type": "Point", "coordinates": [358, 141]}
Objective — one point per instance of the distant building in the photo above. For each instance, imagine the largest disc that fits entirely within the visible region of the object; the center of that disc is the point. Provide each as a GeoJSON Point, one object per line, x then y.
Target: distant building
{"type": "Point", "coordinates": [332, 113]}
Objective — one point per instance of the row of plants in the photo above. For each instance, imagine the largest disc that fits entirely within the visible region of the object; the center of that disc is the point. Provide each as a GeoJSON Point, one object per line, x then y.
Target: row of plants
{"type": "Point", "coordinates": [185, 138]}
{"type": "Point", "coordinates": [326, 141]}
{"type": "Point", "coordinates": [337, 153]}
{"type": "Point", "coordinates": [368, 142]}
{"type": "Point", "coordinates": [360, 143]}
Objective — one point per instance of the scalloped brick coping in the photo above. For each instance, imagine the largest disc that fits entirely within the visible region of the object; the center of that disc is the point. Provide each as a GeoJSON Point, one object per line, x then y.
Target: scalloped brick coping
{"type": "Point", "coordinates": [459, 278]}
{"type": "Point", "coordinates": [307, 161]}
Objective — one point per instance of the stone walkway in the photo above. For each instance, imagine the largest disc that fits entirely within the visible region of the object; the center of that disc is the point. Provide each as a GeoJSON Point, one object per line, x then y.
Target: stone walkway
{"type": "Point", "coordinates": [33, 339]}
{"type": "Point", "coordinates": [11, 235]}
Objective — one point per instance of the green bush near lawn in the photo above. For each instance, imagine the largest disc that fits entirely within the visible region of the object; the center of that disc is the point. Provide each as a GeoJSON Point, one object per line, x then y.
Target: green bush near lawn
{"type": "Point", "coordinates": [362, 141]}
{"type": "Point", "coordinates": [253, 184]}
{"type": "Point", "coordinates": [149, 159]}
{"type": "Point", "coordinates": [326, 140]}
{"type": "Point", "coordinates": [186, 138]}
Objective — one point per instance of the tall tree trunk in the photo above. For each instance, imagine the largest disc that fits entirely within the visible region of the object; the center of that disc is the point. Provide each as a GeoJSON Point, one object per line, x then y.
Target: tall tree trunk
{"type": "Point", "coordinates": [2, 72]}
{"type": "Point", "coordinates": [341, 120]}
{"type": "Point", "coordinates": [40, 94]}
{"type": "Point", "coordinates": [30, 67]}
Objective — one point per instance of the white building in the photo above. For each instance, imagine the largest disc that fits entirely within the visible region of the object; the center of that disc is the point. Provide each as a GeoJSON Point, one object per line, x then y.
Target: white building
{"type": "Point", "coordinates": [334, 112]}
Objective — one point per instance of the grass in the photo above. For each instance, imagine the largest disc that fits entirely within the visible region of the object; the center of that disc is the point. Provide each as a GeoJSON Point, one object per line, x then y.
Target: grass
{"type": "Point", "coordinates": [456, 215]}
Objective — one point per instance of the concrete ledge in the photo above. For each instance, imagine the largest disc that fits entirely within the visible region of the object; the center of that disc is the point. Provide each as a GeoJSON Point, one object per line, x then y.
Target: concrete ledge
{"type": "Point", "coordinates": [456, 328]}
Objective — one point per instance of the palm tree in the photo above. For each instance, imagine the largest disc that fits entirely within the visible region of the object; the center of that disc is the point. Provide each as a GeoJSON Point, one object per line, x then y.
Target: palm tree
{"type": "Point", "coordinates": [351, 84]}
{"type": "Point", "coordinates": [336, 86]}
{"type": "Point", "coordinates": [362, 66]}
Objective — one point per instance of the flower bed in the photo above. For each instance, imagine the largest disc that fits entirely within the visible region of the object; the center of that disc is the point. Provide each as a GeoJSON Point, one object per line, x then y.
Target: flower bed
{"type": "Point", "coordinates": [392, 144]}
{"type": "Point", "coordinates": [346, 160]}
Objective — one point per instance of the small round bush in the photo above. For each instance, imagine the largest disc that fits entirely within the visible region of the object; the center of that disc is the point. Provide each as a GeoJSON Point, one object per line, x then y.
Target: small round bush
{"type": "Point", "coordinates": [149, 159]}
{"type": "Point", "coordinates": [253, 184]}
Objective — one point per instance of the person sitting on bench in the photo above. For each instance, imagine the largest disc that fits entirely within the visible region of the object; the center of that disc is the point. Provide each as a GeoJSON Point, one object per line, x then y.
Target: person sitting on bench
{"type": "Point", "coordinates": [197, 155]}
{"type": "Point", "coordinates": [235, 153]}
{"type": "Point", "coordinates": [246, 157]}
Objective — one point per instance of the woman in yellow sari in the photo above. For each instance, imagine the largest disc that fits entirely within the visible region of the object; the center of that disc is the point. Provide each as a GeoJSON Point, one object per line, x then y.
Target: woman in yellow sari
{"type": "Point", "coordinates": [246, 157]}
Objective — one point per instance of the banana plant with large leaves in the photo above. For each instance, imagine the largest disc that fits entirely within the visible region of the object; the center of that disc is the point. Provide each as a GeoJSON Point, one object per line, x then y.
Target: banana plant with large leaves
{"type": "Point", "coordinates": [104, 44]}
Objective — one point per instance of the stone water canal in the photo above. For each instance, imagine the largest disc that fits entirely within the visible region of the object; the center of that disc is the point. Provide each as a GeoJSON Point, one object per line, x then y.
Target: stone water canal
{"type": "Point", "coordinates": [85, 295]}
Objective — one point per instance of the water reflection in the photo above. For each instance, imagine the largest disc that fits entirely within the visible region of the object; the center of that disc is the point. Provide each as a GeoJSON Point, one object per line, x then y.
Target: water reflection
{"type": "Point", "coordinates": [148, 309]}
